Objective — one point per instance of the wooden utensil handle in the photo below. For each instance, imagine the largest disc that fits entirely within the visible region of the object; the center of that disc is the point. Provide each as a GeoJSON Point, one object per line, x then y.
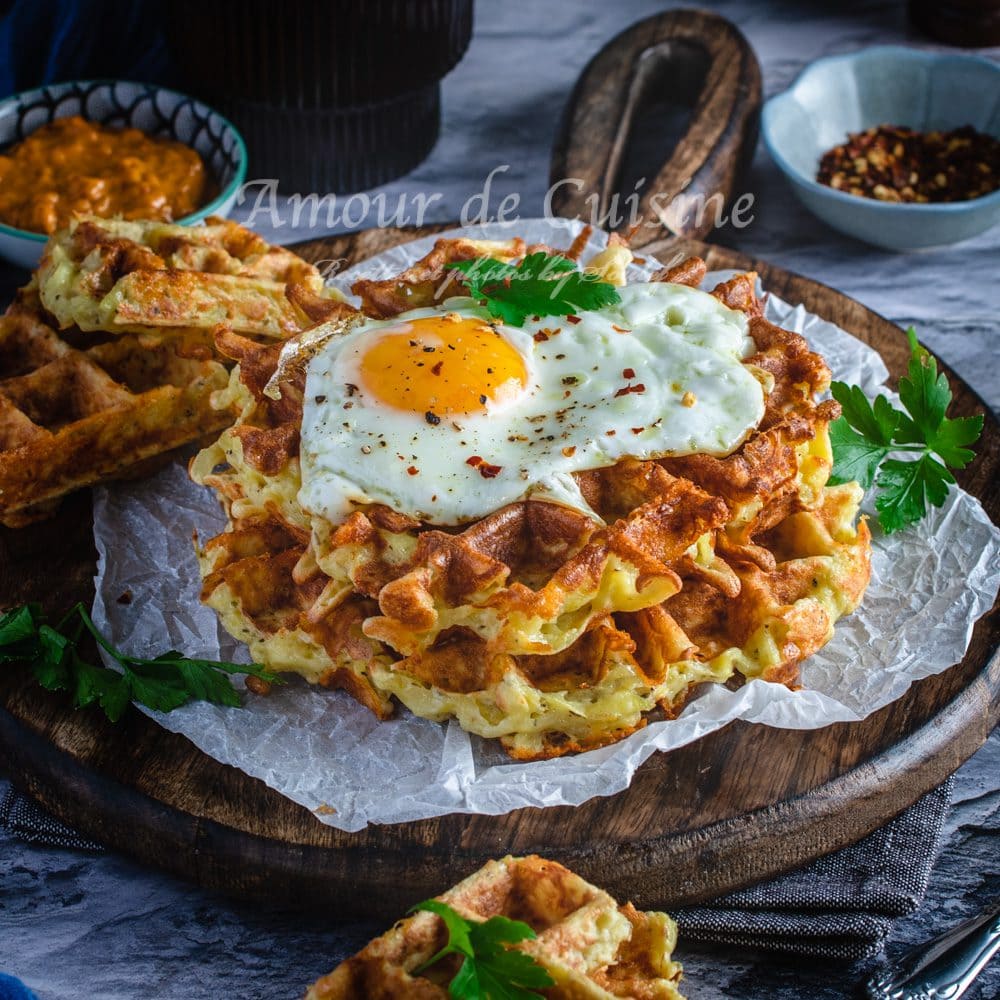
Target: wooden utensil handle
{"type": "Point", "coordinates": [705, 165]}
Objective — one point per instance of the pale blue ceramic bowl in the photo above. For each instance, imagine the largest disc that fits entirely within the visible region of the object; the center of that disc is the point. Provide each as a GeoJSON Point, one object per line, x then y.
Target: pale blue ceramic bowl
{"type": "Point", "coordinates": [884, 85]}
{"type": "Point", "coordinates": [154, 110]}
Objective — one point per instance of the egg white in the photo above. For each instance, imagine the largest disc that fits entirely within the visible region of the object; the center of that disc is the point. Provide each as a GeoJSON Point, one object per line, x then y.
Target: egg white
{"type": "Point", "coordinates": [684, 347]}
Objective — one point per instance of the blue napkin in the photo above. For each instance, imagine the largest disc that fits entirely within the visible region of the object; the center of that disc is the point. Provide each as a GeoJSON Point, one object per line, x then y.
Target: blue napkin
{"type": "Point", "coordinates": [45, 41]}
{"type": "Point", "coordinates": [14, 989]}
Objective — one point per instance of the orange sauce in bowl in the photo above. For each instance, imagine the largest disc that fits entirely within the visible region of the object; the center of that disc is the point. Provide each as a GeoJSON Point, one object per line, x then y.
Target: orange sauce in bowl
{"type": "Point", "coordinates": [72, 166]}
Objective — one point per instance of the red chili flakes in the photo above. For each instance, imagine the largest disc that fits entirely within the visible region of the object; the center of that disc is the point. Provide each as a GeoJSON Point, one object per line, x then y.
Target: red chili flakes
{"type": "Point", "coordinates": [484, 468]}
{"type": "Point", "coordinates": [620, 329]}
{"type": "Point", "coordinates": [412, 471]}
{"type": "Point", "coordinates": [628, 373]}
{"type": "Point", "coordinates": [611, 434]}
{"type": "Point", "coordinates": [436, 370]}
{"type": "Point", "coordinates": [626, 389]}
{"type": "Point", "coordinates": [638, 430]}
{"type": "Point", "coordinates": [893, 163]}
{"type": "Point", "coordinates": [573, 319]}
{"type": "Point", "coordinates": [546, 333]}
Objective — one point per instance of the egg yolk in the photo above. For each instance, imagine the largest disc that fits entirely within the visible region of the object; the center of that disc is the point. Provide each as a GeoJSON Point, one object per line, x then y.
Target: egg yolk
{"type": "Point", "coordinates": [443, 366]}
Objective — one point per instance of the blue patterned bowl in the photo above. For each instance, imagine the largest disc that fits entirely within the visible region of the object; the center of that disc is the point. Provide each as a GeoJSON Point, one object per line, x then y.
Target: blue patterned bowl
{"type": "Point", "coordinates": [154, 110]}
{"type": "Point", "coordinates": [884, 85]}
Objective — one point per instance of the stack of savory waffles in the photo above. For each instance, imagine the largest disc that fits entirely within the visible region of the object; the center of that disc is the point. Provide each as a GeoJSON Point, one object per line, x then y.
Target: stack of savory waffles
{"type": "Point", "coordinates": [536, 624]}
{"type": "Point", "coordinates": [589, 945]}
{"type": "Point", "coordinates": [107, 358]}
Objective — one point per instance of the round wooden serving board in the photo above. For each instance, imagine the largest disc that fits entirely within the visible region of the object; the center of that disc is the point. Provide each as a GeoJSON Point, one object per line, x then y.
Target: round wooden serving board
{"type": "Point", "coordinates": [740, 805]}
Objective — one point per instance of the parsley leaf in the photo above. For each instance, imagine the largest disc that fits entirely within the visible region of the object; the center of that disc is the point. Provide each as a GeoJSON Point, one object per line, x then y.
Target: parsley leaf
{"type": "Point", "coordinates": [490, 970]}
{"type": "Point", "coordinates": [17, 625]}
{"type": "Point", "coordinates": [865, 434]}
{"type": "Point", "coordinates": [905, 489]}
{"type": "Point", "coordinates": [541, 285]}
{"type": "Point", "coordinates": [924, 393]}
{"type": "Point", "coordinates": [459, 941]}
{"type": "Point", "coordinates": [862, 436]}
{"type": "Point", "coordinates": [164, 683]}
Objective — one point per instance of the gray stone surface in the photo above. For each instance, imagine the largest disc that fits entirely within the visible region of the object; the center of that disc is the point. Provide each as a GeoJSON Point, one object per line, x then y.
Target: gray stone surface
{"type": "Point", "coordinates": [99, 926]}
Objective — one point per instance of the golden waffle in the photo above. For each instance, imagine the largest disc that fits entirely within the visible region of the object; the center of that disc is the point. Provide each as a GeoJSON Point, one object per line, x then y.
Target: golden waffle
{"type": "Point", "coordinates": [591, 947]}
{"type": "Point", "coordinates": [119, 276]}
{"type": "Point", "coordinates": [107, 358]}
{"type": "Point", "coordinates": [535, 625]}
{"type": "Point", "coordinates": [70, 416]}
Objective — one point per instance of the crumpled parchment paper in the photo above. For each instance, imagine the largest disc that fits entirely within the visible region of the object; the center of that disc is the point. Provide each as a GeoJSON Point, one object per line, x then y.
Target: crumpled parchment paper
{"type": "Point", "coordinates": [322, 749]}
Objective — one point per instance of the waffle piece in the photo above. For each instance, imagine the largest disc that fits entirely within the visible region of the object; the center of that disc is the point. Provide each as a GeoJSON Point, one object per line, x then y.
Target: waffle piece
{"type": "Point", "coordinates": [590, 946]}
{"type": "Point", "coordinates": [120, 276]}
{"type": "Point", "coordinates": [72, 415]}
{"type": "Point", "coordinates": [537, 625]}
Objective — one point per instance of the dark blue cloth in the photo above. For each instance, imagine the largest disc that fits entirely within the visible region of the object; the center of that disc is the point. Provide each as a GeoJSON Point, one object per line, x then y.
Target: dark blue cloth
{"type": "Point", "coordinates": [47, 41]}
{"type": "Point", "coordinates": [14, 989]}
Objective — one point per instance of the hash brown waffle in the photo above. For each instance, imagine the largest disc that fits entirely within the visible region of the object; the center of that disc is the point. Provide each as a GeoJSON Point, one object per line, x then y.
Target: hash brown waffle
{"type": "Point", "coordinates": [534, 624]}
{"type": "Point", "coordinates": [590, 946]}
{"type": "Point", "coordinates": [107, 358]}
{"type": "Point", "coordinates": [119, 276]}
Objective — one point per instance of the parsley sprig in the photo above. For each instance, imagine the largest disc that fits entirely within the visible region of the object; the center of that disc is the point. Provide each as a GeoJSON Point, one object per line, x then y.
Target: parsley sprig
{"type": "Point", "coordinates": [865, 434]}
{"type": "Point", "coordinates": [163, 683]}
{"type": "Point", "coordinates": [490, 970]}
{"type": "Point", "coordinates": [540, 285]}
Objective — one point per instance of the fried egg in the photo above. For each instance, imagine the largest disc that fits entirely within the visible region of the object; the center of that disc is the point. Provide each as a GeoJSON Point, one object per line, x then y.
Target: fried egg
{"type": "Point", "coordinates": [447, 415]}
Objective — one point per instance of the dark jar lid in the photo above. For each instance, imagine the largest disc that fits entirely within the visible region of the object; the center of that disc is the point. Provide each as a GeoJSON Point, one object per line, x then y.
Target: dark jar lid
{"type": "Point", "coordinates": [311, 54]}
{"type": "Point", "coordinates": [971, 24]}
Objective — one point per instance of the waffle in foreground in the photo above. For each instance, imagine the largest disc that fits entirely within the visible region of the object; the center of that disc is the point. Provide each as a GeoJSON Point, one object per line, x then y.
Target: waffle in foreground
{"type": "Point", "coordinates": [107, 358]}
{"type": "Point", "coordinates": [590, 946]}
{"type": "Point", "coordinates": [553, 626]}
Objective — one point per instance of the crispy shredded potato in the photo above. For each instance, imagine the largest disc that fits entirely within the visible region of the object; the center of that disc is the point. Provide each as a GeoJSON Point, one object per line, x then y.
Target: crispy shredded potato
{"type": "Point", "coordinates": [537, 625]}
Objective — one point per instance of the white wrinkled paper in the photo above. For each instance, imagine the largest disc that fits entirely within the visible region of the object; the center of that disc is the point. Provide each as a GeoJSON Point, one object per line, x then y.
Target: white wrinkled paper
{"type": "Point", "coordinates": [322, 749]}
